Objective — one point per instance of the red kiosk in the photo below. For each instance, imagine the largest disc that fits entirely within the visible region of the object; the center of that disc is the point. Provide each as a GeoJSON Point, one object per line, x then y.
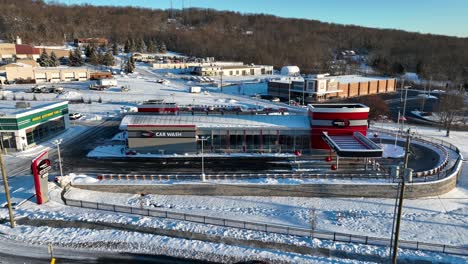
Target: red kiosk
{"type": "Point", "coordinates": [343, 129]}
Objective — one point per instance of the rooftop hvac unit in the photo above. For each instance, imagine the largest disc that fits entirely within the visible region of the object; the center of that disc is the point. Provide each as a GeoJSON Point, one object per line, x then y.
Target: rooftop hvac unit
{"type": "Point", "coordinates": [23, 105]}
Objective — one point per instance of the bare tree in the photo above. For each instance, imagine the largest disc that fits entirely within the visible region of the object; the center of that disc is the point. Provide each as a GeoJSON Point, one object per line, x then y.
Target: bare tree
{"type": "Point", "coordinates": [451, 108]}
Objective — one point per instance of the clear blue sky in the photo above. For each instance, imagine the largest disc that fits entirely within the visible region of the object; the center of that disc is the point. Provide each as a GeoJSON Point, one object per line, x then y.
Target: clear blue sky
{"type": "Point", "coordinates": [444, 17]}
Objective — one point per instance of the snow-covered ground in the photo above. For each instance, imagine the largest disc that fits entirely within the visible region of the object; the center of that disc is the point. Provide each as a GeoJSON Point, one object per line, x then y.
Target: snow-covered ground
{"type": "Point", "coordinates": [438, 219]}
{"type": "Point", "coordinates": [115, 240]}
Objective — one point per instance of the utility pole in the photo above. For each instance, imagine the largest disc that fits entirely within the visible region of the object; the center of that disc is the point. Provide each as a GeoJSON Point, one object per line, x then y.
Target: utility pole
{"type": "Point", "coordinates": [400, 202]}
{"type": "Point", "coordinates": [7, 191]}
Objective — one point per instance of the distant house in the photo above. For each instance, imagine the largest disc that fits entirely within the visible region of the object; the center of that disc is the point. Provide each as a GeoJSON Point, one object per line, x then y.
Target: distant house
{"type": "Point", "coordinates": [24, 51]}
{"type": "Point", "coordinates": [91, 41]}
{"type": "Point", "coordinates": [7, 51]}
{"type": "Point", "coordinates": [58, 52]}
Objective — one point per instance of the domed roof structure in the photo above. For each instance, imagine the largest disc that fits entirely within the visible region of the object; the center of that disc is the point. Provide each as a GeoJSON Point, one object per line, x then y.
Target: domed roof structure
{"type": "Point", "coordinates": [290, 70]}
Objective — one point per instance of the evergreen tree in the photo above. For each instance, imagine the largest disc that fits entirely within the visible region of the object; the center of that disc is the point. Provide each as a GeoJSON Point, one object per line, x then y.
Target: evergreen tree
{"type": "Point", "coordinates": [140, 45]}
{"type": "Point", "coordinates": [100, 57]}
{"type": "Point", "coordinates": [130, 66]}
{"type": "Point", "coordinates": [88, 51]}
{"type": "Point", "coordinates": [108, 59]}
{"type": "Point", "coordinates": [75, 58]}
{"type": "Point", "coordinates": [162, 48]}
{"type": "Point", "coordinates": [127, 46]}
{"type": "Point", "coordinates": [151, 47]}
{"type": "Point", "coordinates": [78, 58]}
{"type": "Point", "coordinates": [44, 59]}
{"type": "Point", "coordinates": [54, 61]}
{"type": "Point", "coordinates": [93, 58]}
{"type": "Point", "coordinates": [115, 49]}
{"type": "Point", "coordinates": [71, 58]}
{"type": "Point", "coordinates": [132, 45]}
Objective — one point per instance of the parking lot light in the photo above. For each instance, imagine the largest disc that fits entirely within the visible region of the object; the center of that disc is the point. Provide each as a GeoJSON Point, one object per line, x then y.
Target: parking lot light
{"type": "Point", "coordinates": [57, 143]}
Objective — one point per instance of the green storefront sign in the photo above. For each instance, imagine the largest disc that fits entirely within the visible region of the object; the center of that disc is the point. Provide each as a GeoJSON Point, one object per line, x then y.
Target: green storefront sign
{"type": "Point", "coordinates": [33, 119]}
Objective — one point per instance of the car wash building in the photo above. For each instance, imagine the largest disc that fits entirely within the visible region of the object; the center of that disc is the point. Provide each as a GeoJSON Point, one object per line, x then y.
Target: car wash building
{"type": "Point", "coordinates": [167, 134]}
{"type": "Point", "coordinates": [24, 124]}
{"type": "Point", "coordinates": [341, 128]}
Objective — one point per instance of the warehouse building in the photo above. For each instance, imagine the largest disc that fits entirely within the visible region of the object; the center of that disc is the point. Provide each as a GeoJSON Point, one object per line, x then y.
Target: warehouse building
{"type": "Point", "coordinates": [323, 86]}
{"type": "Point", "coordinates": [342, 128]}
{"type": "Point", "coordinates": [232, 70]}
{"type": "Point", "coordinates": [23, 71]}
{"type": "Point", "coordinates": [24, 124]}
{"type": "Point", "coordinates": [7, 51]}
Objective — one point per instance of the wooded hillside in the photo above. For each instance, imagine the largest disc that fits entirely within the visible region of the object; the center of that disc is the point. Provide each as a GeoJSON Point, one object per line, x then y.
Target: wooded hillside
{"type": "Point", "coordinates": [251, 38]}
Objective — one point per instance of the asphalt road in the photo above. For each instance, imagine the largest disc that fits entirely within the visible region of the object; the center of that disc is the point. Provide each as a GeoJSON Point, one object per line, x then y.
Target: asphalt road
{"type": "Point", "coordinates": [13, 252]}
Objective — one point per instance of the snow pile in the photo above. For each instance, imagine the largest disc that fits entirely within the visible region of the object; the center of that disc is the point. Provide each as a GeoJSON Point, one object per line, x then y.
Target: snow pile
{"type": "Point", "coordinates": [81, 178]}
{"type": "Point", "coordinates": [69, 95]}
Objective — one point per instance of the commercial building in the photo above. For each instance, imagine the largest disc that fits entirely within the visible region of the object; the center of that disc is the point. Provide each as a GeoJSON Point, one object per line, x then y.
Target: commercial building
{"type": "Point", "coordinates": [24, 124]}
{"type": "Point", "coordinates": [232, 70]}
{"type": "Point", "coordinates": [193, 64]}
{"type": "Point", "coordinates": [227, 134]}
{"type": "Point", "coordinates": [24, 51]}
{"type": "Point", "coordinates": [60, 74]}
{"type": "Point", "coordinates": [18, 72]}
{"type": "Point", "coordinates": [91, 41]}
{"type": "Point", "coordinates": [7, 51]}
{"type": "Point", "coordinates": [59, 52]}
{"type": "Point", "coordinates": [25, 72]}
{"type": "Point", "coordinates": [323, 86]}
{"type": "Point", "coordinates": [340, 127]}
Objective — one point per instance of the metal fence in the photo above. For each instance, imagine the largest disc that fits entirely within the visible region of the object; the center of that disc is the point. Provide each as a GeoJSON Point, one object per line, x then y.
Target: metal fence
{"type": "Point", "coordinates": [439, 172]}
{"type": "Point", "coordinates": [242, 176]}
{"type": "Point", "coordinates": [269, 228]}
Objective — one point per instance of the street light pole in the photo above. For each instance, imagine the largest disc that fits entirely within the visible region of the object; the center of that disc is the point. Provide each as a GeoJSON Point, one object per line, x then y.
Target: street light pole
{"type": "Point", "coordinates": [202, 139]}
{"type": "Point", "coordinates": [57, 143]}
{"type": "Point", "coordinates": [7, 191]}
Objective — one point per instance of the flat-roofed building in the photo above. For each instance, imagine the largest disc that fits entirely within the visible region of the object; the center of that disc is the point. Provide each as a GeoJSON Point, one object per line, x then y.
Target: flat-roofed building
{"type": "Point", "coordinates": [232, 70]}
{"type": "Point", "coordinates": [323, 86]}
{"type": "Point", "coordinates": [24, 51]}
{"type": "Point", "coordinates": [61, 74]}
{"type": "Point", "coordinates": [24, 71]}
{"type": "Point", "coordinates": [7, 51]}
{"type": "Point", "coordinates": [91, 41]}
{"type": "Point", "coordinates": [24, 124]}
{"type": "Point", "coordinates": [18, 72]}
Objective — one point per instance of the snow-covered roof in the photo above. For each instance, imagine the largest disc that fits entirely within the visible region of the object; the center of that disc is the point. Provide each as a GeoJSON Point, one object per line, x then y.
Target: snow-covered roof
{"type": "Point", "coordinates": [227, 121]}
{"type": "Point", "coordinates": [349, 78]}
{"type": "Point", "coordinates": [288, 79]}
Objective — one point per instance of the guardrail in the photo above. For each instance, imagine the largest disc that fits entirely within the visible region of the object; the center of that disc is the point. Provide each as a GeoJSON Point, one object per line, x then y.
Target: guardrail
{"type": "Point", "coordinates": [437, 171]}
{"type": "Point", "coordinates": [244, 176]}
{"type": "Point", "coordinates": [269, 228]}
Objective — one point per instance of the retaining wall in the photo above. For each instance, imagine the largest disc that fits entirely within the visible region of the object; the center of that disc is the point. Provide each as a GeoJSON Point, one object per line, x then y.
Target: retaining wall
{"type": "Point", "coordinates": [378, 190]}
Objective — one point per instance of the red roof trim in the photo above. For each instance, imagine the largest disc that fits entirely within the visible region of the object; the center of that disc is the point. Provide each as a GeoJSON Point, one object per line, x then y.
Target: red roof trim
{"type": "Point", "coordinates": [26, 49]}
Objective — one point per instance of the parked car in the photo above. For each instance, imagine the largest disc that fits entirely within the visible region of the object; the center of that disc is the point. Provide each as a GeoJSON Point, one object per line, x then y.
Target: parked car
{"type": "Point", "coordinates": [74, 116]}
